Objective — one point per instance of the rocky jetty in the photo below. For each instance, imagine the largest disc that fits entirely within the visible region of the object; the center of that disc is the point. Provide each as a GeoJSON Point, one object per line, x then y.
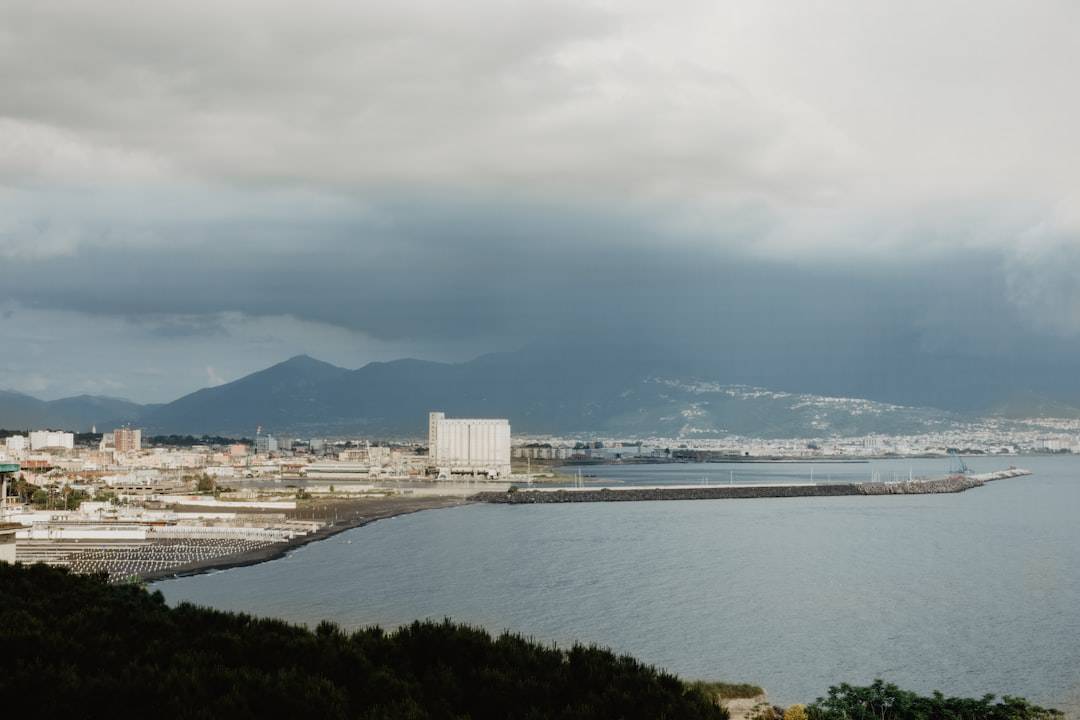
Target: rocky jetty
{"type": "Point", "coordinates": [924, 486]}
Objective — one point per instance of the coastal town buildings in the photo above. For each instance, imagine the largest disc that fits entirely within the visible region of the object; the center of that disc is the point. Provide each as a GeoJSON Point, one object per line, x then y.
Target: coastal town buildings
{"type": "Point", "coordinates": [127, 439]}
{"type": "Point", "coordinates": [265, 444]}
{"type": "Point", "coordinates": [85, 503]}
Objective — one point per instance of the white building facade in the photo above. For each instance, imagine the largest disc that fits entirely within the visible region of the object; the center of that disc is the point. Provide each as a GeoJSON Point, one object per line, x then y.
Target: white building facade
{"type": "Point", "coordinates": [49, 440]}
{"type": "Point", "coordinates": [7, 541]}
{"type": "Point", "coordinates": [15, 443]}
{"type": "Point", "coordinates": [472, 446]}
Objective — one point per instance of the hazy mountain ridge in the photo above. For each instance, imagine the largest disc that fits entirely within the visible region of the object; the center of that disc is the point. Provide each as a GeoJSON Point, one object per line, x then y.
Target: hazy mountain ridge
{"type": "Point", "coordinates": [540, 394]}
{"type": "Point", "coordinates": [290, 394]}
{"type": "Point", "coordinates": [18, 410]}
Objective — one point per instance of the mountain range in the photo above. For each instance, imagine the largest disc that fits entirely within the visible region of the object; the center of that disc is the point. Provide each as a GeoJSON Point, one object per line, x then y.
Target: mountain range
{"type": "Point", "coordinates": [74, 413]}
{"type": "Point", "coordinates": [541, 392]}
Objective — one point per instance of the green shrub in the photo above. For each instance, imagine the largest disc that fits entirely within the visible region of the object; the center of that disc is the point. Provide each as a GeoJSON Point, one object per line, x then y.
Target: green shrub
{"type": "Point", "coordinates": [885, 701]}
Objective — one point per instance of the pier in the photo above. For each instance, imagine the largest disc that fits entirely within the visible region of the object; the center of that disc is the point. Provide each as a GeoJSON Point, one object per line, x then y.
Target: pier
{"type": "Point", "coordinates": [918, 486]}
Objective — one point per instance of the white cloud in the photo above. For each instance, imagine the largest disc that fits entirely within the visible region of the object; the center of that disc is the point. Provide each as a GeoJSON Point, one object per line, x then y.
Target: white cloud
{"type": "Point", "coordinates": [36, 152]}
{"type": "Point", "coordinates": [544, 98]}
{"type": "Point", "coordinates": [212, 377]}
{"type": "Point", "coordinates": [836, 118]}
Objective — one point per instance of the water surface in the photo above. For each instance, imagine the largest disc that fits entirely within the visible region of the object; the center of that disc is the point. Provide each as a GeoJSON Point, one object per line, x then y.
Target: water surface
{"type": "Point", "coordinates": [969, 593]}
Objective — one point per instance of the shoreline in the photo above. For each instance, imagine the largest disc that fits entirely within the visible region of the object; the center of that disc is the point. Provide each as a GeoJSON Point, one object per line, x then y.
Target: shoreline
{"type": "Point", "coordinates": [384, 508]}
{"type": "Point", "coordinates": [381, 509]}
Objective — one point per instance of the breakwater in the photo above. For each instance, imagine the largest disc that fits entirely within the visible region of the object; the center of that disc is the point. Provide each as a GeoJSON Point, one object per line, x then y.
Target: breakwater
{"type": "Point", "coordinates": [921, 486]}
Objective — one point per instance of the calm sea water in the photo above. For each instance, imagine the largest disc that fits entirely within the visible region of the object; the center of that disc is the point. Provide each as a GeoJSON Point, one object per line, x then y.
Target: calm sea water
{"type": "Point", "coordinates": [970, 593]}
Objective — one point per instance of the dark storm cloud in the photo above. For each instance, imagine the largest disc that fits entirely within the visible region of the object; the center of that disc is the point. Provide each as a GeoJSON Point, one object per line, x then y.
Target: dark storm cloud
{"type": "Point", "coordinates": [181, 326]}
{"type": "Point", "coordinates": [440, 269]}
{"type": "Point", "coordinates": [430, 269]}
{"type": "Point", "coordinates": [939, 332]}
{"type": "Point", "coordinates": [839, 198]}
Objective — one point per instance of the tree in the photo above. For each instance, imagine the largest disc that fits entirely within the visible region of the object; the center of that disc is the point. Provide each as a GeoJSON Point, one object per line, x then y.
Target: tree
{"type": "Point", "coordinates": [72, 498]}
{"type": "Point", "coordinates": [795, 712]}
{"type": "Point", "coordinates": [206, 484]}
{"type": "Point", "coordinates": [24, 490]}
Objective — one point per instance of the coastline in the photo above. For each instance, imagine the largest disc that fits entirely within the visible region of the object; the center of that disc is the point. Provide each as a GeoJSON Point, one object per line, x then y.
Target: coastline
{"type": "Point", "coordinates": [1039, 495]}
{"type": "Point", "coordinates": [342, 515]}
{"type": "Point", "coordinates": [372, 509]}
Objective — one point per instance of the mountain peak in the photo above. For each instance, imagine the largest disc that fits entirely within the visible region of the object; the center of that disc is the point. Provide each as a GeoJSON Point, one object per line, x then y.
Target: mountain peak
{"type": "Point", "coordinates": [303, 359]}
{"type": "Point", "coordinates": [301, 363]}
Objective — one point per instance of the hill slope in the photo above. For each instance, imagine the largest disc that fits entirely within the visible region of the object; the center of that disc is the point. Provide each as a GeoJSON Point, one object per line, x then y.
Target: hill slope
{"type": "Point", "coordinates": [78, 414]}
{"type": "Point", "coordinates": [291, 394]}
{"type": "Point", "coordinates": [541, 393]}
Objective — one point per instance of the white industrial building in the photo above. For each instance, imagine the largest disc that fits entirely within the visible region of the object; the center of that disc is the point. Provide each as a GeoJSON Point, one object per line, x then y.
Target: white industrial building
{"type": "Point", "coordinates": [15, 443]}
{"type": "Point", "coordinates": [49, 439]}
{"type": "Point", "coordinates": [469, 446]}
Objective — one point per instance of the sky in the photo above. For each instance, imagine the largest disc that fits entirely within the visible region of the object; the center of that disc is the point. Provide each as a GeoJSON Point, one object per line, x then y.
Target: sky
{"type": "Point", "coordinates": [836, 195]}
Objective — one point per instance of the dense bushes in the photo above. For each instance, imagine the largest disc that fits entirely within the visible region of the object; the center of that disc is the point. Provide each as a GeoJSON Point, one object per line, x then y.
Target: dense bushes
{"type": "Point", "coordinates": [884, 701]}
{"type": "Point", "coordinates": [76, 646]}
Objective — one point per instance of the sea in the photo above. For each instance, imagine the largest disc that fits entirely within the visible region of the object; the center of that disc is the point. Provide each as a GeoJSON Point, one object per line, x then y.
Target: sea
{"type": "Point", "coordinates": [969, 593]}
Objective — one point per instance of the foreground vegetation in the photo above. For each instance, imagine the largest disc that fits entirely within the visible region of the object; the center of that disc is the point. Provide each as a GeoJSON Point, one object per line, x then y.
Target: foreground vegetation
{"type": "Point", "coordinates": [76, 646]}
{"type": "Point", "coordinates": [885, 701]}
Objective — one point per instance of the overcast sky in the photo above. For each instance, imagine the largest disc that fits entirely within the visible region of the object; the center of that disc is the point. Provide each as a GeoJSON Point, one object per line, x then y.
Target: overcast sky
{"type": "Point", "coordinates": [191, 192]}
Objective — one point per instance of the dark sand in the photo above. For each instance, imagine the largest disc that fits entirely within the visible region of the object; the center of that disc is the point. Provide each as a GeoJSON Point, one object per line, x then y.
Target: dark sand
{"type": "Point", "coordinates": [340, 515]}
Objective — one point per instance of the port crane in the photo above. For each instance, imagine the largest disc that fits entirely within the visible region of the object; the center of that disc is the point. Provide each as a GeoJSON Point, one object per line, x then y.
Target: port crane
{"type": "Point", "coordinates": [957, 466]}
